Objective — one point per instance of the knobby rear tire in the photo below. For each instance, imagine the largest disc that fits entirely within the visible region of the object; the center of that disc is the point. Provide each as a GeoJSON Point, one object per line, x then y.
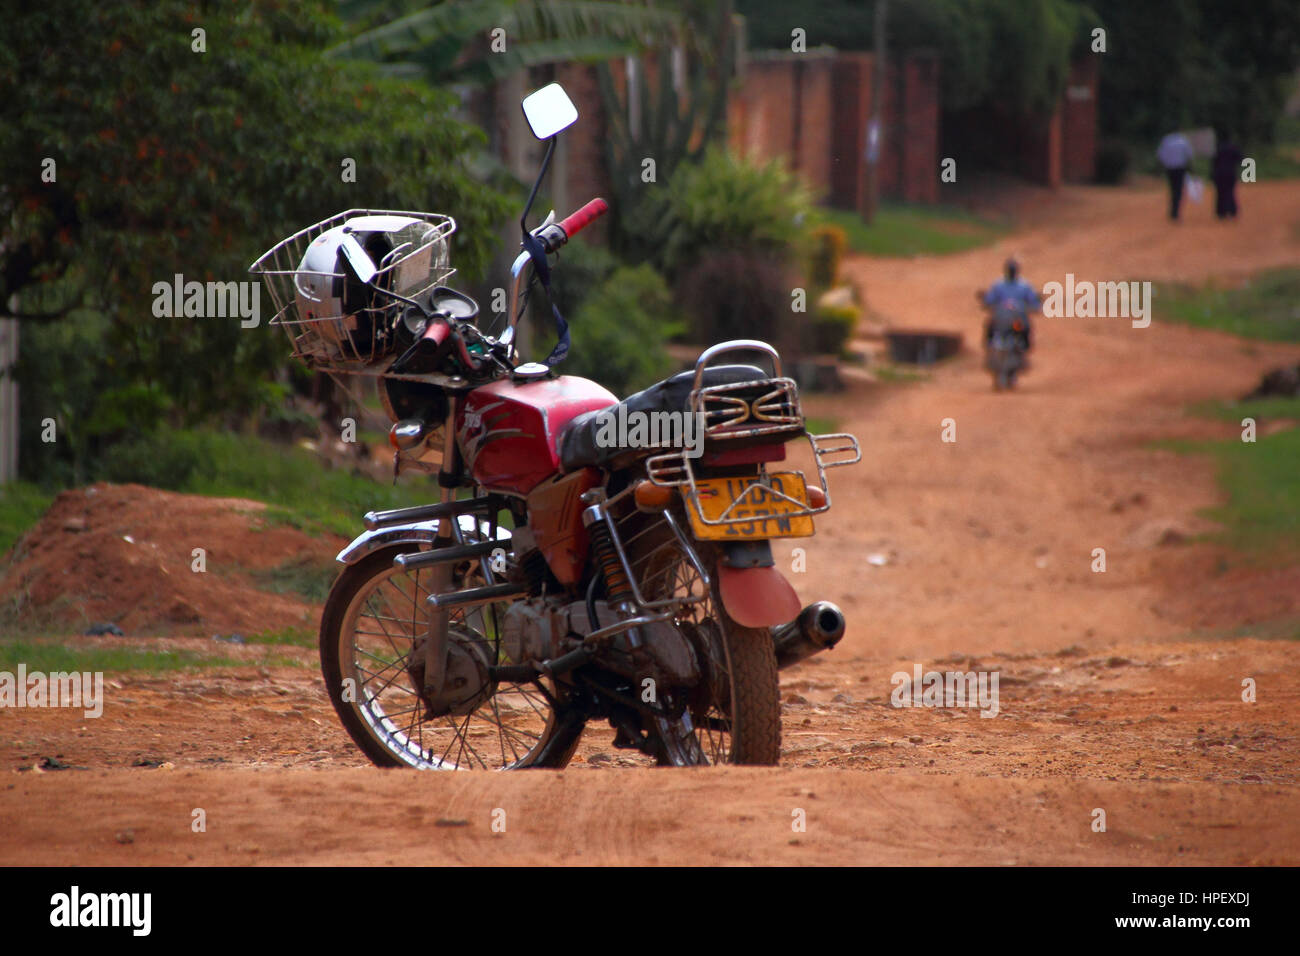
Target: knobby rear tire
{"type": "Point", "coordinates": [755, 695]}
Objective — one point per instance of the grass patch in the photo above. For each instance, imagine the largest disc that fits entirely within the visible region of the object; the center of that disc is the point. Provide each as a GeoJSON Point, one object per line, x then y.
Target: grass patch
{"type": "Point", "coordinates": [302, 491]}
{"type": "Point", "coordinates": [1266, 306]}
{"type": "Point", "coordinates": [1282, 629]}
{"type": "Point", "coordinates": [306, 577]}
{"type": "Point", "coordinates": [1262, 486]}
{"type": "Point", "coordinates": [47, 657]}
{"type": "Point", "coordinates": [903, 230]}
{"type": "Point", "coordinates": [821, 426]}
{"type": "Point", "coordinates": [21, 506]}
{"type": "Point", "coordinates": [897, 374]}
{"type": "Point", "coordinates": [1281, 159]}
{"type": "Point", "coordinates": [1261, 409]}
{"type": "Point", "coordinates": [286, 637]}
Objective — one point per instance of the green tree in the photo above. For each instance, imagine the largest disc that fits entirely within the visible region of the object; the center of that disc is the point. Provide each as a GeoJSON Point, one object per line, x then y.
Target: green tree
{"type": "Point", "coordinates": [1176, 63]}
{"type": "Point", "coordinates": [1015, 53]}
{"type": "Point", "coordinates": [170, 160]}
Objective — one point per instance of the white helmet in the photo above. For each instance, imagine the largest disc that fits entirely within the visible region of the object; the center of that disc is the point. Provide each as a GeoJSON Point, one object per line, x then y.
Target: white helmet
{"type": "Point", "coordinates": [349, 317]}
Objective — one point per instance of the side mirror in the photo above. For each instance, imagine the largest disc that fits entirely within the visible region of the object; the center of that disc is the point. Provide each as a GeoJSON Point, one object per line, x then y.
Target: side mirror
{"type": "Point", "coordinates": [549, 111]}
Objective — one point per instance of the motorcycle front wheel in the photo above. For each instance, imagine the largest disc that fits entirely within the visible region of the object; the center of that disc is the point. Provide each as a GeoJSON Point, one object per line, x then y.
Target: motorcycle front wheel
{"type": "Point", "coordinates": [372, 629]}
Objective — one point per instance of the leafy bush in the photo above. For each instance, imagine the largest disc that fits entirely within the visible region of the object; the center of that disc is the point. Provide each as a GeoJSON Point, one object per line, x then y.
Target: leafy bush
{"type": "Point", "coordinates": [739, 295]}
{"type": "Point", "coordinates": [163, 458]}
{"type": "Point", "coordinates": [725, 203]}
{"type": "Point", "coordinates": [581, 269]}
{"type": "Point", "coordinates": [727, 230]}
{"type": "Point", "coordinates": [618, 334]}
{"type": "Point", "coordinates": [832, 327]}
{"type": "Point", "coordinates": [828, 243]}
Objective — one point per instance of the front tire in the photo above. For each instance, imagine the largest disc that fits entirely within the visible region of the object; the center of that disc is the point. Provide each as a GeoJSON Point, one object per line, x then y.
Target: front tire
{"type": "Point", "coordinates": [374, 617]}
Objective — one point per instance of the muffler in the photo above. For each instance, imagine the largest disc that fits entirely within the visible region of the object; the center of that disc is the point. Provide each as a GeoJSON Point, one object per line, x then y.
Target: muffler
{"type": "Point", "coordinates": [818, 627]}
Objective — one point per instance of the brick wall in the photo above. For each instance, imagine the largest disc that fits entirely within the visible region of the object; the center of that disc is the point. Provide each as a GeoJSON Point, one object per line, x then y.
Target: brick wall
{"type": "Point", "coordinates": [1079, 122]}
{"type": "Point", "coordinates": [812, 109]}
{"type": "Point", "coordinates": [809, 109]}
{"type": "Point", "coordinates": [1050, 149]}
{"type": "Point", "coordinates": [915, 128]}
{"type": "Point", "coordinates": [782, 107]}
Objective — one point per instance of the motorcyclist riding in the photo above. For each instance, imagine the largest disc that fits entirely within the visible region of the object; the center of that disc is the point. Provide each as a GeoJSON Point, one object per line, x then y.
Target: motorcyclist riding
{"type": "Point", "coordinates": [1011, 300]}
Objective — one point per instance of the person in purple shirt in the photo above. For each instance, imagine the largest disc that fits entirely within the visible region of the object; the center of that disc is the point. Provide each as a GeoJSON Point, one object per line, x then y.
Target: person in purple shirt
{"type": "Point", "coordinates": [1224, 170]}
{"type": "Point", "coordinates": [1012, 300]}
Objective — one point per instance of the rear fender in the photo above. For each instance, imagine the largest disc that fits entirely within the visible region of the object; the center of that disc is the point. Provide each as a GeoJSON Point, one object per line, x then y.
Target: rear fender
{"type": "Point", "coordinates": [418, 532]}
{"type": "Point", "coordinates": [757, 596]}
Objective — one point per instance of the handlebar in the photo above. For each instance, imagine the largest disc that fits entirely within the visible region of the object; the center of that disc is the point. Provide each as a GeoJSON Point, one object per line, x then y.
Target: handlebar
{"type": "Point", "coordinates": [575, 222]}
{"type": "Point", "coordinates": [552, 236]}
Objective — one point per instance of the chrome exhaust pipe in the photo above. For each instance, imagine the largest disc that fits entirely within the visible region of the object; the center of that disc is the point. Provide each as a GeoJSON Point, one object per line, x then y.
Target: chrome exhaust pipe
{"type": "Point", "coordinates": [818, 627]}
{"type": "Point", "coordinates": [475, 596]}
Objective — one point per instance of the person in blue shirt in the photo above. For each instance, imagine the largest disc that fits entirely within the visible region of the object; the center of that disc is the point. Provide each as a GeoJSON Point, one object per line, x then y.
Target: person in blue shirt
{"type": "Point", "coordinates": [1175, 154]}
{"type": "Point", "coordinates": [1011, 300]}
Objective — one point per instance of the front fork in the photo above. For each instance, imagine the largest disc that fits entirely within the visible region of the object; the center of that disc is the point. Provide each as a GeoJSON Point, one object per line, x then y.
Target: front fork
{"type": "Point", "coordinates": [449, 534]}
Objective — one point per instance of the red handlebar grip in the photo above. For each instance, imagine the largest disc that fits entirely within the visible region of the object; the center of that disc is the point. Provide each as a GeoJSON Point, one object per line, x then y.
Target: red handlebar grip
{"type": "Point", "coordinates": [584, 217]}
{"type": "Point", "coordinates": [436, 331]}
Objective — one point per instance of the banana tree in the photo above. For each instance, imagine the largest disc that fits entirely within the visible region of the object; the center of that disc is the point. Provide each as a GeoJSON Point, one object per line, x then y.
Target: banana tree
{"type": "Point", "coordinates": [671, 124]}
{"type": "Point", "coordinates": [692, 43]}
{"type": "Point", "coordinates": [477, 42]}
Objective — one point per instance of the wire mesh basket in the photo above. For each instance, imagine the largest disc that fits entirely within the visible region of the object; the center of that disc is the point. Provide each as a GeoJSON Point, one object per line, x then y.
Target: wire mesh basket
{"type": "Point", "coordinates": [333, 320]}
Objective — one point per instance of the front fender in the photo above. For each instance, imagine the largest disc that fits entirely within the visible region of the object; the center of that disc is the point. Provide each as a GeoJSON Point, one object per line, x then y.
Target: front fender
{"type": "Point", "coordinates": [757, 596]}
{"type": "Point", "coordinates": [418, 532]}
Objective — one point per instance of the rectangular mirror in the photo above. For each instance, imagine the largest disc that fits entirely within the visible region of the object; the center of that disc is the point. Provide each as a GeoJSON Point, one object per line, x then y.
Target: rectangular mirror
{"type": "Point", "coordinates": [549, 111]}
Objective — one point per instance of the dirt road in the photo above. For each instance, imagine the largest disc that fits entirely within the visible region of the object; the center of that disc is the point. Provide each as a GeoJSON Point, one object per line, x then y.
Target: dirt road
{"type": "Point", "coordinates": [1120, 691]}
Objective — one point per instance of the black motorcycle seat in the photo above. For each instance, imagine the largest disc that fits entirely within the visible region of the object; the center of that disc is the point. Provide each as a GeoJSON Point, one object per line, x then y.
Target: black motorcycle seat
{"type": "Point", "coordinates": [578, 447]}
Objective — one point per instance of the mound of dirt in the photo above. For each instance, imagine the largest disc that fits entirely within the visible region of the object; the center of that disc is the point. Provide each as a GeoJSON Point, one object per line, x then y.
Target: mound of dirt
{"type": "Point", "coordinates": [156, 562]}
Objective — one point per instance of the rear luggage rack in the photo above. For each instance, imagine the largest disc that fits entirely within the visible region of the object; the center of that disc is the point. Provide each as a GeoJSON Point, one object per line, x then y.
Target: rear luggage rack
{"type": "Point", "coordinates": [746, 413]}
{"type": "Point", "coordinates": [760, 411]}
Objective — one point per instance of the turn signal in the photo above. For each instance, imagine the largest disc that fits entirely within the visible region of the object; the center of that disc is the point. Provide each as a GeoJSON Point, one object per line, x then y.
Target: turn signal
{"type": "Point", "coordinates": [652, 497]}
{"type": "Point", "coordinates": [407, 434]}
{"type": "Point", "coordinates": [816, 497]}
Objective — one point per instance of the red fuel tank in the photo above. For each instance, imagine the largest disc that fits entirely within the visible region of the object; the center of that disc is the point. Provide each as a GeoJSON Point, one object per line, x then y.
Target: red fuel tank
{"type": "Point", "coordinates": [508, 431]}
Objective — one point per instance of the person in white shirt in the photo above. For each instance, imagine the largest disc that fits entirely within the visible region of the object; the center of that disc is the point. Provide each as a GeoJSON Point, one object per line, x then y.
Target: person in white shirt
{"type": "Point", "coordinates": [1175, 155]}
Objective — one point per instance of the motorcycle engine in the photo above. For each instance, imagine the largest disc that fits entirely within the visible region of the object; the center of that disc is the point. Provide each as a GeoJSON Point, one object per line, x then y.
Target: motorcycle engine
{"type": "Point", "coordinates": [540, 629]}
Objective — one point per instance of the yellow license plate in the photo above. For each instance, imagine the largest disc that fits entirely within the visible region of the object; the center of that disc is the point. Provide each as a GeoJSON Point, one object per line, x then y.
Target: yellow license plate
{"type": "Point", "coordinates": [758, 512]}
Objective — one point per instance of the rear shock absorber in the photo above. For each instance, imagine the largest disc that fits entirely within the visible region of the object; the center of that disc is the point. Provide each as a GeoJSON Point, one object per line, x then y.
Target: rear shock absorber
{"type": "Point", "coordinates": [617, 586]}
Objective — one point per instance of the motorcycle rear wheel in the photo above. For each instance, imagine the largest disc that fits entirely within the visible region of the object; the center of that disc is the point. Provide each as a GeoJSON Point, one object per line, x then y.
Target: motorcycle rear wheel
{"type": "Point", "coordinates": [734, 715]}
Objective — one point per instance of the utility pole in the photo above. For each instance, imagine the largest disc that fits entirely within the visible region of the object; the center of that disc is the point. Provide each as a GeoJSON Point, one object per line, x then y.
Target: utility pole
{"type": "Point", "coordinates": [8, 401]}
{"type": "Point", "coordinates": [871, 148]}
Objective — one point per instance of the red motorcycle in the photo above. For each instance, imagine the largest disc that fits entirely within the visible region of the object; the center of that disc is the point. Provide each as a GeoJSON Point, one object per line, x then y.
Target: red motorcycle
{"type": "Point", "coordinates": [589, 558]}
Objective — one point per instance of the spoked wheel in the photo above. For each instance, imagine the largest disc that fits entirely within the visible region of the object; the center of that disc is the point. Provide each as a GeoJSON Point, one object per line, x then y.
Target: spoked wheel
{"type": "Point", "coordinates": [734, 713]}
{"type": "Point", "coordinates": [373, 630]}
